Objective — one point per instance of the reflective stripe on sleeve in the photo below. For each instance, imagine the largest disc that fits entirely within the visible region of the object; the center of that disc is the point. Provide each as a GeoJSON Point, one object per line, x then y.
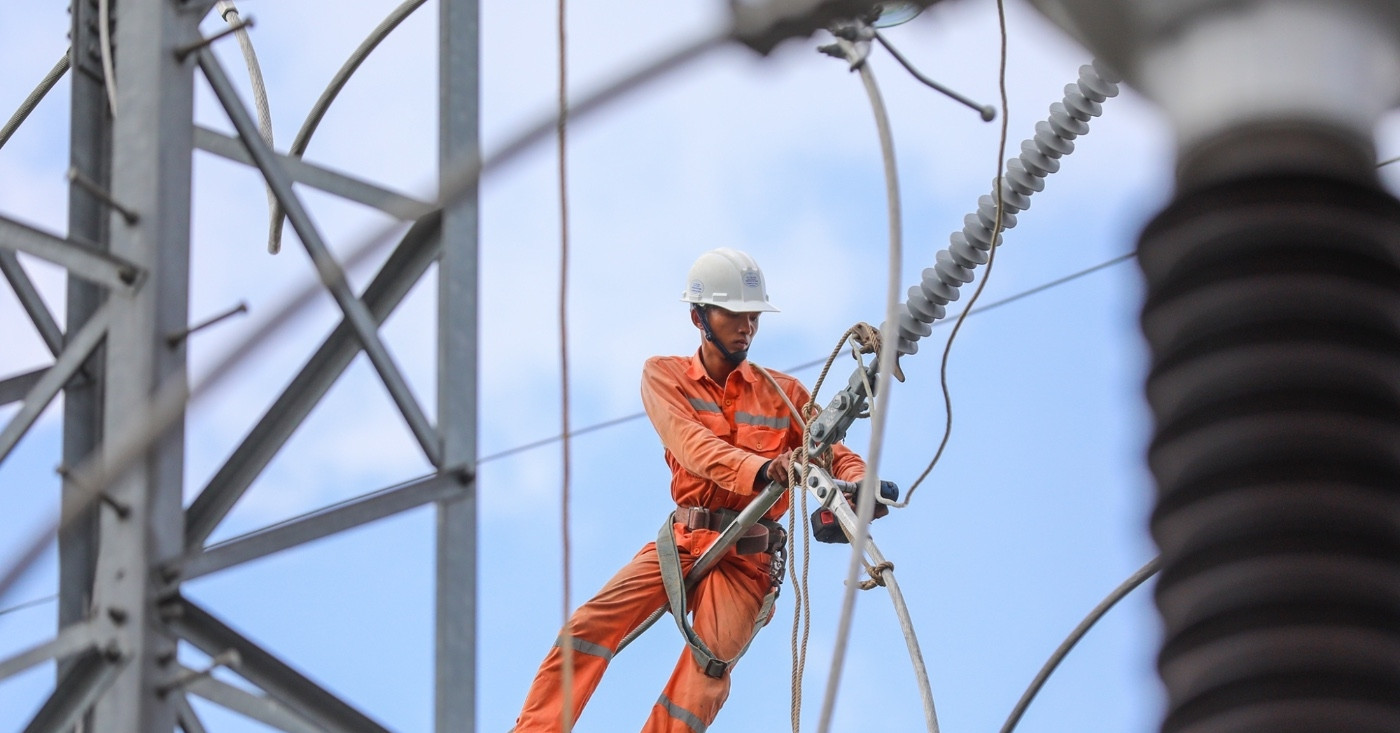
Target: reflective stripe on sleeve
{"type": "Point", "coordinates": [691, 720]}
{"type": "Point", "coordinates": [780, 423]}
{"type": "Point", "coordinates": [587, 647]}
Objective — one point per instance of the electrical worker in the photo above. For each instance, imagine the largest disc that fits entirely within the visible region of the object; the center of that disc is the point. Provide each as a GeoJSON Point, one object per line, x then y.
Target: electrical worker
{"type": "Point", "coordinates": [727, 434]}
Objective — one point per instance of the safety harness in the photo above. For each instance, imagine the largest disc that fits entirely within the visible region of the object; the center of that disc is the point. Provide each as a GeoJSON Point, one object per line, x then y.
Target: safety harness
{"type": "Point", "coordinates": [766, 536]}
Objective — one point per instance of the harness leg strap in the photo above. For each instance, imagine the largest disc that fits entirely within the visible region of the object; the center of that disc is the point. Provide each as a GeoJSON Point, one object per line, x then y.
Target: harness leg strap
{"type": "Point", "coordinates": [668, 557]}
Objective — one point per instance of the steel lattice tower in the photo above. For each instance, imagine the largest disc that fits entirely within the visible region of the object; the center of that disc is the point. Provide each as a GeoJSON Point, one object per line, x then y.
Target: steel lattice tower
{"type": "Point", "coordinates": [128, 543]}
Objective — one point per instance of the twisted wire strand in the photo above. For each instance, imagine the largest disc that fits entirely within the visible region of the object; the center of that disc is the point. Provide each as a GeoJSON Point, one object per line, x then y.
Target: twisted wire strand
{"type": "Point", "coordinates": [30, 102]}
{"type": "Point", "coordinates": [229, 12]}
{"type": "Point", "coordinates": [104, 42]}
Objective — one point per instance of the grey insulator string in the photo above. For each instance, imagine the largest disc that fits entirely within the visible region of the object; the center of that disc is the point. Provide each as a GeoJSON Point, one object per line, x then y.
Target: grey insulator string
{"type": "Point", "coordinates": [1025, 175]}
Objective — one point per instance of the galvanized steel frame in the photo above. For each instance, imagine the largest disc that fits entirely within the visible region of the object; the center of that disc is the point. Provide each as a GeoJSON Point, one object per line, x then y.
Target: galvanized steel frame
{"type": "Point", "coordinates": [122, 560]}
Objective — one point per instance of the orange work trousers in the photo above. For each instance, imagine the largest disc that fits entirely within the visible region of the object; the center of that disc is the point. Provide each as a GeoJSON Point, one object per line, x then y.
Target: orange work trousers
{"type": "Point", "coordinates": [724, 604]}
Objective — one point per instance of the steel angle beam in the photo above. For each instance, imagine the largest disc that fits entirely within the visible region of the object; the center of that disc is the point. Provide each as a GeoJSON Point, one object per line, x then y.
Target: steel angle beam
{"type": "Point", "coordinates": [262, 668]}
{"type": "Point", "coordinates": [79, 259]}
{"type": "Point", "coordinates": [83, 682]}
{"type": "Point", "coordinates": [347, 187]}
{"type": "Point", "coordinates": [261, 708]}
{"type": "Point", "coordinates": [459, 140]}
{"type": "Point", "coordinates": [71, 640]}
{"type": "Point", "coordinates": [186, 717]}
{"type": "Point", "coordinates": [31, 301]}
{"type": "Point", "coordinates": [13, 389]}
{"type": "Point", "coordinates": [321, 524]}
{"type": "Point", "coordinates": [405, 266]}
{"type": "Point", "coordinates": [330, 271]}
{"type": "Point", "coordinates": [54, 378]}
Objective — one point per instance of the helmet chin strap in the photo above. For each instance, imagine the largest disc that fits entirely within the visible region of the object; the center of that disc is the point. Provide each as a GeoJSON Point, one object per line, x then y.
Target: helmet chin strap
{"type": "Point", "coordinates": [733, 357]}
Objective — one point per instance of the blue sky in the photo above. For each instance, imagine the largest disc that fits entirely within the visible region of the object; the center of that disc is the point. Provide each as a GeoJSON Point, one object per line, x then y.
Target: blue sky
{"type": "Point", "coordinates": [1037, 510]}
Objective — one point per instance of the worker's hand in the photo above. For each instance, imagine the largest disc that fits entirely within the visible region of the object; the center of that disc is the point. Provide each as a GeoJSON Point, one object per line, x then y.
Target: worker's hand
{"type": "Point", "coordinates": [779, 468]}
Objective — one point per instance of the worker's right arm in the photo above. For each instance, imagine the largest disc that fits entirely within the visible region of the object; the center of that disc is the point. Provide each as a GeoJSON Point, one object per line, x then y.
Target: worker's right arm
{"type": "Point", "coordinates": [693, 437]}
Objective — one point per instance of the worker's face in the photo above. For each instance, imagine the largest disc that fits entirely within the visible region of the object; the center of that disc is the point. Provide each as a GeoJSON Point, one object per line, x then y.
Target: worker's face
{"type": "Point", "coordinates": [734, 330]}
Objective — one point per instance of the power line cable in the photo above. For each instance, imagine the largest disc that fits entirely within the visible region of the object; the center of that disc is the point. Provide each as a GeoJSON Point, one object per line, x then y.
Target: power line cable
{"type": "Point", "coordinates": [1126, 587]}
{"type": "Point", "coordinates": [886, 361]}
{"type": "Point", "coordinates": [32, 101]}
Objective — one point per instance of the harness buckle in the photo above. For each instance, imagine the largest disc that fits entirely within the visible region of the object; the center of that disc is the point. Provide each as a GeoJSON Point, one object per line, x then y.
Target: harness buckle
{"type": "Point", "coordinates": [716, 668]}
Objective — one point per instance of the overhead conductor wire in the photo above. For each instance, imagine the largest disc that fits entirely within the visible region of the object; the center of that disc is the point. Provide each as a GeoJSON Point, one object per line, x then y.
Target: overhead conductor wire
{"type": "Point", "coordinates": [566, 647]}
{"type": "Point", "coordinates": [328, 95]}
{"type": "Point", "coordinates": [887, 355]}
{"type": "Point", "coordinates": [1126, 587]}
{"type": "Point", "coordinates": [167, 403]}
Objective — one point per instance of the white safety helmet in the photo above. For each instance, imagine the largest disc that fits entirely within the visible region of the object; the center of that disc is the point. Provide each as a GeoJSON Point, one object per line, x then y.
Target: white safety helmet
{"type": "Point", "coordinates": [729, 279]}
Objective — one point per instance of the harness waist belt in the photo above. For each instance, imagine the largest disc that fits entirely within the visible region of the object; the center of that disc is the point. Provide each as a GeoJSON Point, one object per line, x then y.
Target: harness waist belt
{"type": "Point", "coordinates": [764, 536]}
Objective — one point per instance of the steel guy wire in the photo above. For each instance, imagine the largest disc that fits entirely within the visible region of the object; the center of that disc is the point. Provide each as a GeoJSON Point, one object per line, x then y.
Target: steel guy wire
{"type": "Point", "coordinates": [1116, 595]}
{"type": "Point", "coordinates": [887, 356]}
{"type": "Point", "coordinates": [167, 402]}
{"type": "Point", "coordinates": [30, 102]}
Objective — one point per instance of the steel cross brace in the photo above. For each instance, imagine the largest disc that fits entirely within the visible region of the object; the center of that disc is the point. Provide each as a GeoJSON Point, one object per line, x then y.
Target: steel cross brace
{"type": "Point", "coordinates": [415, 253]}
{"type": "Point", "coordinates": [33, 303]}
{"type": "Point", "coordinates": [48, 385]}
{"type": "Point", "coordinates": [323, 523]}
{"type": "Point", "coordinates": [329, 270]}
{"type": "Point", "coordinates": [78, 688]}
{"type": "Point", "coordinates": [80, 259]}
{"type": "Point", "coordinates": [262, 668]}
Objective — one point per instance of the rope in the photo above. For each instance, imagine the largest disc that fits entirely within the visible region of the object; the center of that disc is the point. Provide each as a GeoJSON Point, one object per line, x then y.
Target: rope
{"type": "Point", "coordinates": [561, 131]}
{"type": "Point", "coordinates": [991, 259]}
{"type": "Point", "coordinates": [877, 575]}
{"type": "Point", "coordinates": [226, 8]}
{"type": "Point", "coordinates": [887, 356]}
{"type": "Point", "coordinates": [801, 610]}
{"type": "Point", "coordinates": [32, 101]}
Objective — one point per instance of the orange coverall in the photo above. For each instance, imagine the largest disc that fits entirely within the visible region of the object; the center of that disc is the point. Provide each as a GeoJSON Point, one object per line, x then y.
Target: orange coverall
{"type": "Point", "coordinates": [717, 438]}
